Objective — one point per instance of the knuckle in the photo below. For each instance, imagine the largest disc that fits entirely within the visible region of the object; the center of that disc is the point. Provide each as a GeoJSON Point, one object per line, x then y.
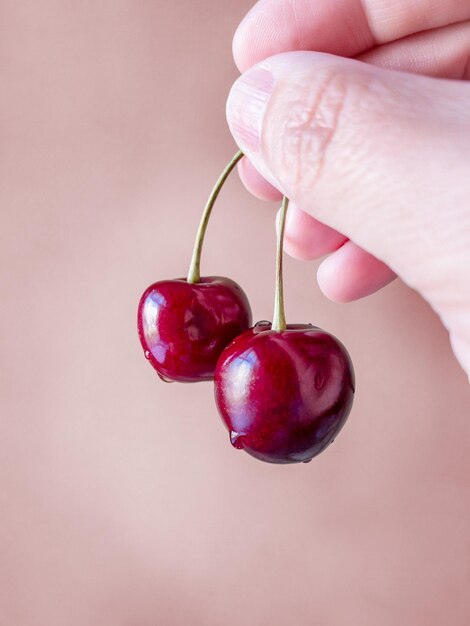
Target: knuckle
{"type": "Point", "coordinates": [310, 117]}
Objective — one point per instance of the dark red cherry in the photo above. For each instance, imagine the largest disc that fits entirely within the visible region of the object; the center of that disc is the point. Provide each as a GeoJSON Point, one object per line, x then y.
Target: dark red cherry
{"type": "Point", "coordinates": [284, 396]}
{"type": "Point", "coordinates": [184, 327]}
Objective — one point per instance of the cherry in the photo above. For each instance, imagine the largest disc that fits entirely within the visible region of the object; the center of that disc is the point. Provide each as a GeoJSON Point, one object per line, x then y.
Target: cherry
{"type": "Point", "coordinates": [184, 327]}
{"type": "Point", "coordinates": [184, 324]}
{"type": "Point", "coordinates": [284, 391]}
{"type": "Point", "coordinates": [284, 395]}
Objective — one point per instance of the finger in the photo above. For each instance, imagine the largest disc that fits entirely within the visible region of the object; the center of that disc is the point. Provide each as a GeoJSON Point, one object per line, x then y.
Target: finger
{"type": "Point", "coordinates": [342, 27]}
{"type": "Point", "coordinates": [274, 26]}
{"type": "Point", "coordinates": [343, 138]}
{"type": "Point", "coordinates": [442, 52]}
{"type": "Point", "coordinates": [306, 238]}
{"type": "Point", "coordinates": [350, 273]}
{"type": "Point", "coordinates": [379, 156]}
{"type": "Point", "coordinates": [255, 183]}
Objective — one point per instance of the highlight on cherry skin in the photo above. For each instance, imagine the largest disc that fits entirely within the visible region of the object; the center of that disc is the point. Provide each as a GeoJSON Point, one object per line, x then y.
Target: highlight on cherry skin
{"type": "Point", "coordinates": [183, 327]}
{"type": "Point", "coordinates": [284, 395]}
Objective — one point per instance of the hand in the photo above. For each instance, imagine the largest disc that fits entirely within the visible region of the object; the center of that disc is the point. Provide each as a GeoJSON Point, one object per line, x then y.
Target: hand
{"type": "Point", "coordinates": [376, 162]}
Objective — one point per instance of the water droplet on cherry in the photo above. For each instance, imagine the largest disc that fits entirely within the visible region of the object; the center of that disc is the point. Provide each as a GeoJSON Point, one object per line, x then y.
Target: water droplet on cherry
{"type": "Point", "coordinates": [165, 380]}
{"type": "Point", "coordinates": [147, 354]}
{"type": "Point", "coordinates": [235, 440]}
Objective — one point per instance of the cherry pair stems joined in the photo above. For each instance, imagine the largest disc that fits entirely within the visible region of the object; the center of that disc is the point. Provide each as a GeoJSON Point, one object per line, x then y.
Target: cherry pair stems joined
{"type": "Point", "coordinates": [283, 391]}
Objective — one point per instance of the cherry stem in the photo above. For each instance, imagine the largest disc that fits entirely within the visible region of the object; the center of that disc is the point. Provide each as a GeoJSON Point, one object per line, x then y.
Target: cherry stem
{"type": "Point", "coordinates": [279, 318]}
{"type": "Point", "coordinates": [194, 274]}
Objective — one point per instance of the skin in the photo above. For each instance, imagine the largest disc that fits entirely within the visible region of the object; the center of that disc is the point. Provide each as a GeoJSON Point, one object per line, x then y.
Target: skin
{"type": "Point", "coordinates": [373, 149]}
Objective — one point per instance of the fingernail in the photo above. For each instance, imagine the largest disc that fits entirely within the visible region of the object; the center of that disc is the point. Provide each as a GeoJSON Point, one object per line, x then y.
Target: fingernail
{"type": "Point", "coordinates": [246, 107]}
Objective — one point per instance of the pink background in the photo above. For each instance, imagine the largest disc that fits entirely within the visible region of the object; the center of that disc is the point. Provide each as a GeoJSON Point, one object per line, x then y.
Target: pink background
{"type": "Point", "coordinates": [122, 502]}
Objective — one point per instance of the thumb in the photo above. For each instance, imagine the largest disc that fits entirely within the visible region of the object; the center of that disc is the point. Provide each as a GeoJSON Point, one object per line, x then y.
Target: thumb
{"type": "Point", "coordinates": [380, 156]}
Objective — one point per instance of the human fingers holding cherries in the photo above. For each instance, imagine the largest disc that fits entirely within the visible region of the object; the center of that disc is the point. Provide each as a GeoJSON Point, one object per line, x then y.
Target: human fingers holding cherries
{"type": "Point", "coordinates": [374, 161]}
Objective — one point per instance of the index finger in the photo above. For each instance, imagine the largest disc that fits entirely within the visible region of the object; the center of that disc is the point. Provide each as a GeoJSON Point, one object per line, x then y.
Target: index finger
{"type": "Point", "coordinates": [342, 27]}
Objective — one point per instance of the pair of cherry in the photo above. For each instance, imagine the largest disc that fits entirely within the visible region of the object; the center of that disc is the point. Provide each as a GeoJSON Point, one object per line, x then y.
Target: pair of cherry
{"type": "Point", "coordinates": [283, 391]}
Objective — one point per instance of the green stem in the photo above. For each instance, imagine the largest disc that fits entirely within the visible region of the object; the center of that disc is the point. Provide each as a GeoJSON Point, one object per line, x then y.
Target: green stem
{"type": "Point", "coordinates": [279, 318]}
{"type": "Point", "coordinates": [194, 275]}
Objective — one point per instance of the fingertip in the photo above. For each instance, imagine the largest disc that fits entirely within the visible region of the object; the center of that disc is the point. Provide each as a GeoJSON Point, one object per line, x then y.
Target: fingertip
{"type": "Point", "coordinates": [331, 281]}
{"type": "Point", "coordinates": [256, 184]}
{"type": "Point", "coordinates": [246, 39]}
{"type": "Point", "coordinates": [351, 273]}
{"type": "Point", "coordinates": [306, 238]}
{"type": "Point", "coordinates": [239, 47]}
{"type": "Point", "coordinates": [275, 26]}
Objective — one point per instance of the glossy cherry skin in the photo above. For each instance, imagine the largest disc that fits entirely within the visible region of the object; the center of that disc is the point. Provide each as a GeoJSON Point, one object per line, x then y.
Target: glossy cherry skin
{"type": "Point", "coordinates": [284, 396]}
{"type": "Point", "coordinates": [184, 327]}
